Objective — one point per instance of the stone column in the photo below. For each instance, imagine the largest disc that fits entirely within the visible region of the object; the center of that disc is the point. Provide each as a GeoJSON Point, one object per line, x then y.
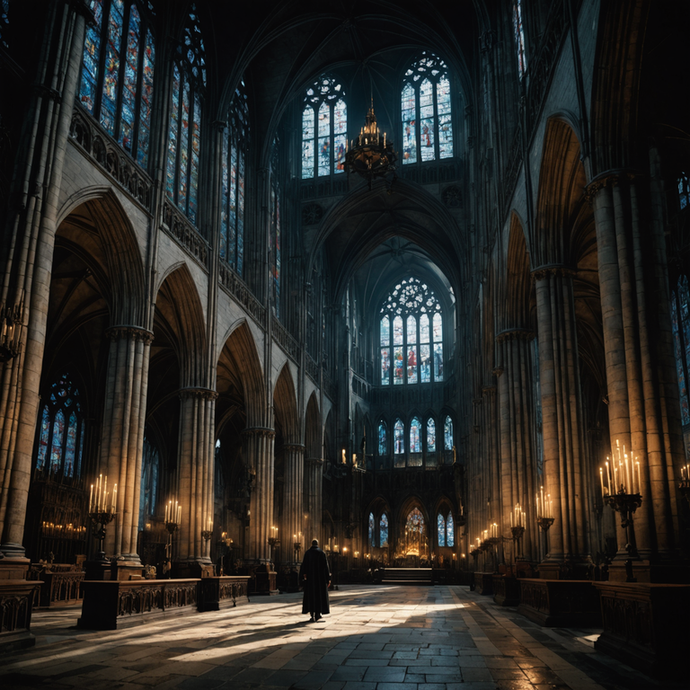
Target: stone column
{"type": "Point", "coordinates": [644, 412]}
{"type": "Point", "coordinates": [30, 237]}
{"type": "Point", "coordinates": [292, 501]}
{"type": "Point", "coordinates": [314, 485]}
{"type": "Point", "coordinates": [564, 452]}
{"type": "Point", "coordinates": [258, 451]}
{"type": "Point", "coordinates": [518, 455]}
{"type": "Point", "coordinates": [122, 435]}
{"type": "Point", "coordinates": [195, 479]}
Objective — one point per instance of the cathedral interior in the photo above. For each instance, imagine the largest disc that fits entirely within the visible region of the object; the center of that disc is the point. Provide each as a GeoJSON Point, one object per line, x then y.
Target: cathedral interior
{"type": "Point", "coordinates": [454, 345]}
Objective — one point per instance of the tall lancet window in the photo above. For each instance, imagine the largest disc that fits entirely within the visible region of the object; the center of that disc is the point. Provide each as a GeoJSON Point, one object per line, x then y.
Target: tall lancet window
{"type": "Point", "coordinates": [150, 468]}
{"type": "Point", "coordinates": [324, 129]}
{"type": "Point", "coordinates": [4, 20]}
{"type": "Point", "coordinates": [383, 438]}
{"type": "Point", "coordinates": [61, 431]}
{"type": "Point", "coordinates": [116, 84]}
{"type": "Point", "coordinates": [448, 441]}
{"type": "Point", "coordinates": [680, 323]}
{"type": "Point", "coordinates": [441, 529]}
{"type": "Point", "coordinates": [372, 530]}
{"type": "Point", "coordinates": [275, 237]}
{"type": "Point", "coordinates": [425, 108]}
{"type": "Point", "coordinates": [519, 34]}
{"type": "Point", "coordinates": [430, 435]}
{"type": "Point", "coordinates": [383, 530]}
{"type": "Point", "coordinates": [235, 146]}
{"type": "Point", "coordinates": [411, 335]}
{"type": "Point", "coordinates": [184, 133]}
{"type": "Point", "coordinates": [683, 191]}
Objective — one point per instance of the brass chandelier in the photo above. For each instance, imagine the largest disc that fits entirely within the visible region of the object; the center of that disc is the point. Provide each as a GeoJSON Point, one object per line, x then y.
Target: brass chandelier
{"type": "Point", "coordinates": [371, 155]}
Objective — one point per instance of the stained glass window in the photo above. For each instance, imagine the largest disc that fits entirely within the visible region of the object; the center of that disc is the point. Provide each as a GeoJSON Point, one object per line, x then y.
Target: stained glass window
{"type": "Point", "coordinates": [4, 20]}
{"type": "Point", "coordinates": [372, 528]}
{"type": "Point", "coordinates": [425, 108]}
{"type": "Point", "coordinates": [116, 83]}
{"type": "Point", "coordinates": [414, 532]}
{"type": "Point", "coordinates": [184, 133]}
{"type": "Point", "coordinates": [398, 437]}
{"type": "Point", "coordinates": [234, 163]}
{"type": "Point", "coordinates": [683, 191]}
{"type": "Point", "coordinates": [441, 529]}
{"type": "Point", "coordinates": [275, 211]}
{"type": "Point", "coordinates": [150, 468]}
{"type": "Point", "coordinates": [60, 442]}
{"type": "Point", "coordinates": [415, 435]}
{"type": "Point", "coordinates": [324, 129]}
{"type": "Point", "coordinates": [430, 435]}
{"type": "Point", "coordinates": [417, 335]}
{"type": "Point", "coordinates": [519, 33]}
{"type": "Point", "coordinates": [450, 531]}
{"type": "Point", "coordinates": [383, 439]}
{"type": "Point", "coordinates": [448, 434]}
{"type": "Point", "coordinates": [383, 530]}
{"type": "Point", "coordinates": [680, 324]}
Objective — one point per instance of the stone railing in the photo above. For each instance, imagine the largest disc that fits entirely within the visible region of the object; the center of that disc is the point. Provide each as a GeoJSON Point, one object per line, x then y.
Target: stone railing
{"type": "Point", "coordinates": [285, 340]}
{"type": "Point", "coordinates": [176, 225]}
{"type": "Point", "coordinates": [222, 592]}
{"type": "Point", "coordinates": [563, 603]}
{"type": "Point", "coordinates": [110, 157]}
{"type": "Point", "coordinates": [238, 289]}
{"type": "Point", "coordinates": [312, 369]}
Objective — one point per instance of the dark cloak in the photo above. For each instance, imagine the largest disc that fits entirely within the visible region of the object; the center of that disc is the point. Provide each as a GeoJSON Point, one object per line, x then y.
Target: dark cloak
{"type": "Point", "coordinates": [315, 575]}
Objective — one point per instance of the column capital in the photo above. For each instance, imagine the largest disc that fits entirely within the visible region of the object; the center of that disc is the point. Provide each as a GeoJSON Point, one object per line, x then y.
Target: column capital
{"type": "Point", "coordinates": [197, 392]}
{"type": "Point", "coordinates": [609, 178]}
{"type": "Point", "coordinates": [498, 371]}
{"type": "Point", "coordinates": [128, 332]}
{"type": "Point", "coordinates": [515, 334]}
{"type": "Point", "coordinates": [258, 431]}
{"type": "Point", "coordinates": [553, 269]}
{"type": "Point", "coordinates": [488, 390]}
{"type": "Point", "coordinates": [293, 447]}
{"type": "Point", "coordinates": [314, 461]}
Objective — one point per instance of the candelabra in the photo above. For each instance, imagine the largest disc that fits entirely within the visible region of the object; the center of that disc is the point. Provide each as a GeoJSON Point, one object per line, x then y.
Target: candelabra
{"type": "Point", "coordinates": [100, 519]}
{"type": "Point", "coordinates": [273, 541]}
{"type": "Point", "coordinates": [626, 504]}
{"type": "Point", "coordinates": [684, 484]}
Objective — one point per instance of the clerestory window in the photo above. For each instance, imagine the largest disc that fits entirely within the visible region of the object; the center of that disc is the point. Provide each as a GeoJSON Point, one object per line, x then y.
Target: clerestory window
{"type": "Point", "coordinates": [427, 128]}
{"type": "Point", "coordinates": [116, 84]}
{"type": "Point", "coordinates": [411, 335]}
{"type": "Point", "coordinates": [680, 325]}
{"type": "Point", "coordinates": [519, 35]}
{"type": "Point", "coordinates": [324, 129]}
{"type": "Point", "coordinates": [235, 147]}
{"type": "Point", "coordinates": [184, 133]}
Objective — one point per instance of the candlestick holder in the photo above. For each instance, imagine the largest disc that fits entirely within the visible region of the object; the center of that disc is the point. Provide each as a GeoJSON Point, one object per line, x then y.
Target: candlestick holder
{"type": "Point", "coordinates": [297, 546]}
{"type": "Point", "coordinates": [684, 488]}
{"type": "Point", "coordinates": [493, 542]}
{"type": "Point", "coordinates": [100, 519]}
{"type": "Point", "coordinates": [172, 527]}
{"type": "Point", "coordinates": [206, 534]}
{"type": "Point", "coordinates": [517, 532]}
{"type": "Point", "coordinates": [544, 523]}
{"type": "Point", "coordinates": [626, 504]}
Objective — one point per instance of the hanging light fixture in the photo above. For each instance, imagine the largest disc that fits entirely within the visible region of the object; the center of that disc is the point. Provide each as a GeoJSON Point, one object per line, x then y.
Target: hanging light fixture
{"type": "Point", "coordinates": [10, 325]}
{"type": "Point", "coordinates": [371, 154]}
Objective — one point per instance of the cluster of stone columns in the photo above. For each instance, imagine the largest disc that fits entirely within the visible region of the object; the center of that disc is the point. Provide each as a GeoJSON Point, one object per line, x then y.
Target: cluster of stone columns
{"type": "Point", "coordinates": [293, 488]}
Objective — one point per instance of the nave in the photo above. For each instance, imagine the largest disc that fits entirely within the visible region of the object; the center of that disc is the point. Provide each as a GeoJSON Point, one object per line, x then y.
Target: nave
{"type": "Point", "coordinates": [376, 638]}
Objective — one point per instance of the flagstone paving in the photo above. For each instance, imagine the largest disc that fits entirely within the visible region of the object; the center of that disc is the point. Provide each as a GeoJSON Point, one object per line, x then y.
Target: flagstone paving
{"type": "Point", "coordinates": [376, 638]}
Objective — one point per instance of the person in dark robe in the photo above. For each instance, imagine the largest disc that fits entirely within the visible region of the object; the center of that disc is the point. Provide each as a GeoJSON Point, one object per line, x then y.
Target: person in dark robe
{"type": "Point", "coordinates": [315, 576]}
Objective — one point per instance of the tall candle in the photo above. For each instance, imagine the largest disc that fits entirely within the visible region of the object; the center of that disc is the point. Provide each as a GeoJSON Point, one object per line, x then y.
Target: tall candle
{"type": "Point", "coordinates": [91, 500]}
{"type": "Point", "coordinates": [601, 477]}
{"type": "Point", "coordinates": [639, 478]}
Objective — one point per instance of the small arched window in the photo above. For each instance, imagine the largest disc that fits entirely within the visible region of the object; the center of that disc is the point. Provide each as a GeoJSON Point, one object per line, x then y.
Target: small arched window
{"type": "Point", "coordinates": [324, 129]}
{"type": "Point", "coordinates": [383, 530]}
{"type": "Point", "coordinates": [235, 146]}
{"type": "Point", "coordinates": [519, 34]}
{"type": "Point", "coordinates": [426, 111]}
{"type": "Point", "coordinates": [680, 326]}
{"type": "Point", "coordinates": [372, 529]}
{"type": "Point", "coordinates": [450, 530]}
{"type": "Point", "coordinates": [61, 431]}
{"type": "Point", "coordinates": [415, 435]}
{"type": "Point", "coordinates": [116, 84]}
{"type": "Point", "coordinates": [416, 338]}
{"type": "Point", "coordinates": [4, 20]}
{"type": "Point", "coordinates": [430, 435]}
{"type": "Point", "coordinates": [683, 191]}
{"type": "Point", "coordinates": [448, 434]}
{"type": "Point", "coordinates": [399, 437]}
{"type": "Point", "coordinates": [383, 438]}
{"type": "Point", "coordinates": [441, 529]}
{"type": "Point", "coordinates": [184, 133]}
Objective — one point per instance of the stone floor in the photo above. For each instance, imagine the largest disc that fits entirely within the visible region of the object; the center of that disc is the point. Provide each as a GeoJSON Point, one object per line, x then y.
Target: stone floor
{"type": "Point", "coordinates": [376, 638]}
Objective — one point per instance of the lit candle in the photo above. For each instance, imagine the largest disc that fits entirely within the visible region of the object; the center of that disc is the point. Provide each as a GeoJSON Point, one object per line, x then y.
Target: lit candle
{"type": "Point", "coordinates": [91, 499]}
{"type": "Point", "coordinates": [114, 499]}
{"type": "Point", "coordinates": [639, 478]}
{"type": "Point", "coordinates": [601, 477]}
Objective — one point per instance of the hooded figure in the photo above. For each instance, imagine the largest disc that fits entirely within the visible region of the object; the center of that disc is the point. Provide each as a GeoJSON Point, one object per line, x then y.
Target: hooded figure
{"type": "Point", "coordinates": [315, 577]}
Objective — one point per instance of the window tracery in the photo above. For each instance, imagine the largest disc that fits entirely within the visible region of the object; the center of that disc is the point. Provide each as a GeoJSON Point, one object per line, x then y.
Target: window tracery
{"type": "Point", "coordinates": [184, 134]}
{"type": "Point", "coordinates": [448, 442]}
{"type": "Point", "coordinates": [425, 106]}
{"type": "Point", "coordinates": [372, 528]}
{"type": "Point", "coordinates": [680, 326]}
{"type": "Point", "coordinates": [430, 435]}
{"type": "Point", "coordinates": [235, 147]}
{"type": "Point", "coordinates": [324, 129]}
{"type": "Point", "coordinates": [413, 347]}
{"type": "Point", "coordinates": [383, 530]}
{"type": "Point", "coordinates": [116, 84]}
{"type": "Point", "coordinates": [61, 431]}
{"type": "Point", "coordinates": [399, 437]}
{"type": "Point", "coordinates": [383, 438]}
